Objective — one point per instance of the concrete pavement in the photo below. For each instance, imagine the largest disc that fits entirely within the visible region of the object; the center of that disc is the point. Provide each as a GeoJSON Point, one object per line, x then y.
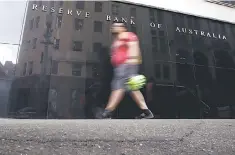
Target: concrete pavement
{"type": "Point", "coordinates": [117, 137]}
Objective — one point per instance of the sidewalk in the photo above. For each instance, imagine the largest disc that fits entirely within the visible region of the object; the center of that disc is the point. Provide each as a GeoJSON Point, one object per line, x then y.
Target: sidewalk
{"type": "Point", "coordinates": [121, 137]}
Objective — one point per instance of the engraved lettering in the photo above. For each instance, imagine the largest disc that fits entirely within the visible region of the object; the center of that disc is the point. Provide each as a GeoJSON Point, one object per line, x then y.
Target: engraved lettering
{"type": "Point", "coordinates": [132, 22]}
{"type": "Point", "coordinates": [61, 10]}
{"type": "Point", "coordinates": [178, 29]}
{"type": "Point", "coordinates": [159, 26]}
{"type": "Point", "coordinates": [190, 31]}
{"type": "Point", "coordinates": [214, 35]}
{"type": "Point", "coordinates": [124, 20]}
{"type": "Point", "coordinates": [202, 33]}
{"type": "Point", "coordinates": [35, 7]}
{"type": "Point", "coordinates": [196, 31]}
{"type": "Point", "coordinates": [152, 24]}
{"type": "Point", "coordinates": [184, 30]}
{"type": "Point", "coordinates": [52, 10]}
{"type": "Point", "coordinates": [79, 13]}
{"type": "Point", "coordinates": [87, 14]}
{"type": "Point", "coordinates": [44, 8]}
{"type": "Point", "coordinates": [108, 17]}
{"type": "Point", "coordinates": [224, 38]}
{"type": "Point", "coordinates": [70, 12]}
{"type": "Point", "coordinates": [115, 19]}
{"type": "Point", "coordinates": [208, 35]}
{"type": "Point", "coordinates": [219, 36]}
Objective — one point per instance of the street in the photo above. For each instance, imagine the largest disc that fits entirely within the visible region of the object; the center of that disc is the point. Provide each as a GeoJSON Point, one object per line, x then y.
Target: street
{"type": "Point", "coordinates": [119, 137]}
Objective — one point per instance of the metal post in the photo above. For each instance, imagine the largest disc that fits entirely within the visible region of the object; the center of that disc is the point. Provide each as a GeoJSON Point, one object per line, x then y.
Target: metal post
{"type": "Point", "coordinates": [45, 63]}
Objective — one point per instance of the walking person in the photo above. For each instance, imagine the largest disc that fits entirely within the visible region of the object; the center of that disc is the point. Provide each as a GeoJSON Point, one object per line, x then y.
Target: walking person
{"type": "Point", "coordinates": [125, 58]}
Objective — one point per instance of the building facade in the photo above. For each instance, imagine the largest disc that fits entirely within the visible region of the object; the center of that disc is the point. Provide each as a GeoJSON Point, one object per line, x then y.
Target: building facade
{"type": "Point", "coordinates": [63, 68]}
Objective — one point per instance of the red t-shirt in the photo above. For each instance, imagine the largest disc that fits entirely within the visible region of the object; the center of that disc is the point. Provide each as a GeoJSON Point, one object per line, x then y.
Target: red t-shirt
{"type": "Point", "coordinates": [120, 48]}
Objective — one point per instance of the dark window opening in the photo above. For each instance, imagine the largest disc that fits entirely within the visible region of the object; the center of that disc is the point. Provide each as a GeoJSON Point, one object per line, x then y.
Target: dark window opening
{"type": "Point", "coordinates": [54, 68]}
{"type": "Point", "coordinates": [98, 26]}
{"type": "Point", "coordinates": [157, 69]}
{"type": "Point", "coordinates": [98, 6]}
{"type": "Point", "coordinates": [77, 46]}
{"type": "Point", "coordinates": [76, 69]}
{"type": "Point", "coordinates": [78, 24]}
{"type": "Point", "coordinates": [97, 47]}
{"type": "Point", "coordinates": [80, 5]}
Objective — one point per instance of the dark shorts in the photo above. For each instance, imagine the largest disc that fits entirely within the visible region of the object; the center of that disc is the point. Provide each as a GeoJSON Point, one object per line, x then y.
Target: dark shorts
{"type": "Point", "coordinates": [121, 75]}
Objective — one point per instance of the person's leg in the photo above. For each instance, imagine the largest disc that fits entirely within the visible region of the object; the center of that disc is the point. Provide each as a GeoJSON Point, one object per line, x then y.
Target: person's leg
{"type": "Point", "coordinates": [140, 101]}
{"type": "Point", "coordinates": [138, 96]}
{"type": "Point", "coordinates": [118, 90]}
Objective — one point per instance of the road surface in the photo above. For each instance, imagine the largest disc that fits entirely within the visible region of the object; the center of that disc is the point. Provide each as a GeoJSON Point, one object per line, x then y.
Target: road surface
{"type": "Point", "coordinates": [117, 137]}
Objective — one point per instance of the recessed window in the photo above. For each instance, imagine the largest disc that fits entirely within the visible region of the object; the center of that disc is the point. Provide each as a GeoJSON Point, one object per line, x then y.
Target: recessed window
{"type": "Point", "coordinates": [157, 69]}
{"type": "Point", "coordinates": [78, 24]}
{"type": "Point", "coordinates": [39, 3]}
{"type": "Point", "coordinates": [61, 3]}
{"type": "Point", "coordinates": [77, 46]}
{"type": "Point", "coordinates": [97, 47]}
{"type": "Point", "coordinates": [24, 69]}
{"type": "Point", "coordinates": [133, 29]}
{"type": "Point", "coordinates": [76, 69]}
{"type": "Point", "coordinates": [98, 26]}
{"type": "Point", "coordinates": [52, 3]}
{"type": "Point", "coordinates": [80, 5]}
{"type": "Point", "coordinates": [59, 21]}
{"type": "Point", "coordinates": [115, 9]}
{"type": "Point", "coordinates": [30, 69]}
{"type": "Point", "coordinates": [57, 43]}
{"type": "Point", "coordinates": [42, 55]}
{"type": "Point", "coordinates": [133, 12]}
{"type": "Point", "coordinates": [31, 24]}
{"type": "Point", "coordinates": [37, 21]}
{"type": "Point", "coordinates": [95, 71]}
{"type": "Point", "coordinates": [98, 6]}
{"type": "Point", "coordinates": [153, 32]}
{"type": "Point", "coordinates": [34, 43]}
{"type": "Point", "coordinates": [166, 71]}
{"type": "Point", "coordinates": [54, 67]}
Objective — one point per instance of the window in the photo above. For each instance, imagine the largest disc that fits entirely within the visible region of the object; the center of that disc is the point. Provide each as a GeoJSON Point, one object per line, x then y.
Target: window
{"type": "Point", "coordinates": [77, 46]}
{"type": "Point", "coordinates": [161, 33]}
{"type": "Point", "coordinates": [98, 26]}
{"type": "Point", "coordinates": [59, 21]}
{"type": "Point", "coordinates": [42, 55]}
{"type": "Point", "coordinates": [98, 6]}
{"type": "Point", "coordinates": [133, 12]}
{"type": "Point", "coordinates": [39, 3]}
{"type": "Point", "coordinates": [52, 3]}
{"type": "Point", "coordinates": [162, 43]}
{"type": "Point", "coordinates": [133, 29]}
{"type": "Point", "coordinates": [76, 69]}
{"type": "Point", "coordinates": [95, 72]}
{"type": "Point", "coordinates": [61, 3]}
{"type": "Point", "coordinates": [97, 47]}
{"type": "Point", "coordinates": [153, 32]}
{"type": "Point", "coordinates": [37, 21]}
{"type": "Point", "coordinates": [30, 69]}
{"type": "Point", "coordinates": [34, 43]}
{"type": "Point", "coordinates": [80, 5]}
{"type": "Point", "coordinates": [54, 67]}
{"type": "Point", "coordinates": [166, 71]}
{"type": "Point", "coordinates": [115, 9]}
{"type": "Point", "coordinates": [160, 16]}
{"type": "Point", "coordinates": [57, 43]}
{"type": "Point", "coordinates": [31, 24]}
{"type": "Point", "coordinates": [154, 40]}
{"type": "Point", "coordinates": [157, 71]}
{"type": "Point", "coordinates": [24, 68]}
{"type": "Point", "coordinates": [78, 24]}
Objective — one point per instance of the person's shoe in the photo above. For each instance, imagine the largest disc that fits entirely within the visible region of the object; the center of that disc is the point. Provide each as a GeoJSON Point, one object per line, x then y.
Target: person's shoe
{"type": "Point", "coordinates": [146, 114]}
{"type": "Point", "coordinates": [107, 114]}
